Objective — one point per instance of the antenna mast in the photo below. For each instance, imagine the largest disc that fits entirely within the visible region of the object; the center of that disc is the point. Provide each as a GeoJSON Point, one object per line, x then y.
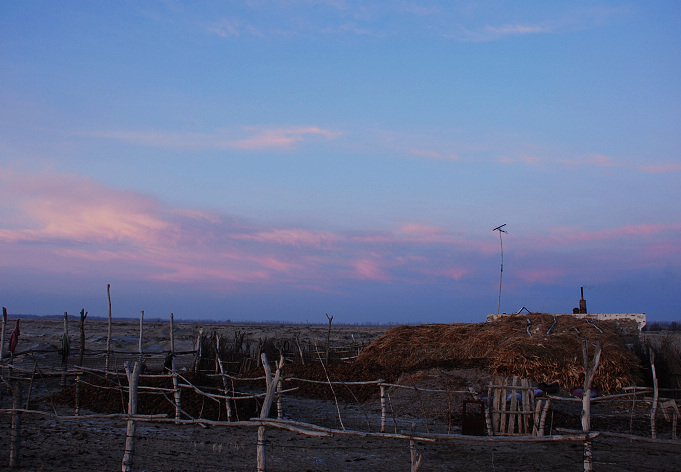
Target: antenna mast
{"type": "Point", "coordinates": [501, 272]}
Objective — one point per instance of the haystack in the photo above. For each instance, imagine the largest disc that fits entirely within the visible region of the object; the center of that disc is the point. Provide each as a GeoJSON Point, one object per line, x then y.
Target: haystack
{"type": "Point", "coordinates": [540, 347]}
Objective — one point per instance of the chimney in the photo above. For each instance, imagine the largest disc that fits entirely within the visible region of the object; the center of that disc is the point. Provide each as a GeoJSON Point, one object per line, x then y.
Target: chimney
{"type": "Point", "coordinates": [582, 303]}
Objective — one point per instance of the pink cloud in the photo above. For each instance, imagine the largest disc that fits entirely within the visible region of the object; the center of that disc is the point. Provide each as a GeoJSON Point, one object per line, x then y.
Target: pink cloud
{"type": "Point", "coordinates": [280, 138]}
{"type": "Point", "coordinates": [268, 138]}
{"type": "Point", "coordinates": [662, 168]}
{"type": "Point", "coordinates": [598, 160]}
{"type": "Point", "coordinates": [291, 237]}
{"type": "Point", "coordinates": [542, 275]}
{"type": "Point", "coordinates": [565, 235]}
{"type": "Point", "coordinates": [369, 269]}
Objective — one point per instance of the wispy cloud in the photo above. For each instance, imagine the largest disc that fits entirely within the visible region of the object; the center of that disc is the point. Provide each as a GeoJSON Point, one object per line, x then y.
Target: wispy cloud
{"type": "Point", "coordinates": [283, 138]}
{"type": "Point", "coordinates": [251, 138]}
{"type": "Point", "coordinates": [661, 168]}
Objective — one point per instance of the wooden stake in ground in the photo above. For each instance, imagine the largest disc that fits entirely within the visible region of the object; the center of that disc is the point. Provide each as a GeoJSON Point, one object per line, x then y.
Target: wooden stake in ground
{"type": "Point", "coordinates": [108, 331]}
{"type": "Point", "coordinates": [173, 367]}
{"type": "Point", "coordinates": [133, 374]}
{"type": "Point", "coordinates": [656, 395]}
{"type": "Point", "coordinates": [15, 435]}
{"type": "Point", "coordinates": [83, 315]}
{"type": "Point", "coordinates": [415, 457]}
{"type": "Point", "coordinates": [589, 373]}
{"type": "Point", "coordinates": [141, 331]}
{"type": "Point", "coordinates": [2, 342]}
{"type": "Point", "coordinates": [65, 348]}
{"type": "Point", "coordinates": [266, 405]}
{"type": "Point", "coordinates": [328, 338]}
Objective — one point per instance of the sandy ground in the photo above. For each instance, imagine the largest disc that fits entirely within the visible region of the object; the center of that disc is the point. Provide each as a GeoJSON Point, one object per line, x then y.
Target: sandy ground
{"type": "Point", "coordinates": [98, 444]}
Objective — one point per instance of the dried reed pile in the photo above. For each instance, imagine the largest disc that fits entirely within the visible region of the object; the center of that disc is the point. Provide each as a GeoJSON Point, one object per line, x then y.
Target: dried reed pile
{"type": "Point", "coordinates": [535, 346]}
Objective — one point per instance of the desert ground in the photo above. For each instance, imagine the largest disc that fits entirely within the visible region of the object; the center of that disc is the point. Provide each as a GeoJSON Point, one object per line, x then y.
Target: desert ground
{"type": "Point", "coordinates": [56, 440]}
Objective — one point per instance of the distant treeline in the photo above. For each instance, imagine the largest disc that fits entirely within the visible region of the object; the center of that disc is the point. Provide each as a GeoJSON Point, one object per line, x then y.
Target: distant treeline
{"type": "Point", "coordinates": [672, 326]}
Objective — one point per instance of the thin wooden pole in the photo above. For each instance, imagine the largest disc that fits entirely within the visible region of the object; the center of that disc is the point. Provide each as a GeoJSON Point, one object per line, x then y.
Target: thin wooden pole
{"type": "Point", "coordinates": [133, 374]}
{"type": "Point", "coordinates": [108, 331]}
{"type": "Point", "coordinates": [383, 409]}
{"type": "Point", "coordinates": [653, 409]}
{"type": "Point", "coordinates": [141, 332]}
{"type": "Point", "coordinates": [328, 337]}
{"type": "Point", "coordinates": [589, 373]}
{"type": "Point", "coordinates": [65, 348]}
{"type": "Point", "coordinates": [266, 405]}
{"type": "Point", "coordinates": [415, 458]}
{"type": "Point", "coordinates": [83, 316]}
{"type": "Point", "coordinates": [176, 389]}
{"type": "Point", "coordinates": [15, 435]}
{"type": "Point", "coordinates": [2, 342]}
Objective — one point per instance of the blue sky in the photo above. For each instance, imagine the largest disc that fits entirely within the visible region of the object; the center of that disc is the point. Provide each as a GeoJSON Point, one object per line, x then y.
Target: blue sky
{"type": "Point", "coordinates": [278, 160]}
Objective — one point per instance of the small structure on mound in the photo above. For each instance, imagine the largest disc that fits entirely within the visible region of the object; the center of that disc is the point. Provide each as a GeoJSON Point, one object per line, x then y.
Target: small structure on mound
{"type": "Point", "coordinates": [542, 347]}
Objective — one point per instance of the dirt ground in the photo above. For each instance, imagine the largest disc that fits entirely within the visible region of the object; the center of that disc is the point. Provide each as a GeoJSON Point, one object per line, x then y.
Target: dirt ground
{"type": "Point", "coordinates": [98, 443]}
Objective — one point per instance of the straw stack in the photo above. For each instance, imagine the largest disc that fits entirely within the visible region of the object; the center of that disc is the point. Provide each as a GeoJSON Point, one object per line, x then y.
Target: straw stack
{"type": "Point", "coordinates": [514, 345]}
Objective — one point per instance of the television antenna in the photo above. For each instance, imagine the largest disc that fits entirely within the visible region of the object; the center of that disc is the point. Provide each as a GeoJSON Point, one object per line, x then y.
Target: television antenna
{"type": "Point", "coordinates": [501, 272]}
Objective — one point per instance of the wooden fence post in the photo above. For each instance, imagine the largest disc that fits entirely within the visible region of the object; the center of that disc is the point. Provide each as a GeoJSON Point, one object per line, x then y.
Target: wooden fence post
{"type": "Point", "coordinates": [65, 348]}
{"type": "Point", "coordinates": [15, 435]}
{"type": "Point", "coordinates": [83, 315]}
{"type": "Point", "coordinates": [141, 331]}
{"type": "Point", "coordinates": [383, 408]}
{"type": "Point", "coordinates": [415, 458]}
{"type": "Point", "coordinates": [656, 395]}
{"type": "Point", "coordinates": [173, 367]}
{"type": "Point", "coordinates": [2, 342]}
{"type": "Point", "coordinates": [589, 373]}
{"type": "Point", "coordinates": [328, 338]}
{"type": "Point", "coordinates": [133, 375]}
{"type": "Point", "coordinates": [266, 405]}
{"type": "Point", "coordinates": [108, 331]}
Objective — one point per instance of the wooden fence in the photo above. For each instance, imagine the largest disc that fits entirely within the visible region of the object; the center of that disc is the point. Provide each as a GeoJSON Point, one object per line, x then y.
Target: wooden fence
{"type": "Point", "coordinates": [512, 413]}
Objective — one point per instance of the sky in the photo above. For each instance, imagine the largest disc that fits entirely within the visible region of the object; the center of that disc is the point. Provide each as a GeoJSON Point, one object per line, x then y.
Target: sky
{"type": "Point", "coordinates": [286, 159]}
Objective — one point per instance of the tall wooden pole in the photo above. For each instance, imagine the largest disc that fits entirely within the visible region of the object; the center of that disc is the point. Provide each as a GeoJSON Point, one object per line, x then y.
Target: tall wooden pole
{"type": "Point", "coordinates": [328, 337]}
{"type": "Point", "coordinates": [2, 342]}
{"type": "Point", "coordinates": [141, 331]}
{"type": "Point", "coordinates": [108, 331]}
{"type": "Point", "coordinates": [133, 380]}
{"type": "Point", "coordinates": [589, 373]}
{"type": "Point", "coordinates": [173, 367]}
{"type": "Point", "coordinates": [83, 315]}
{"type": "Point", "coordinates": [15, 434]}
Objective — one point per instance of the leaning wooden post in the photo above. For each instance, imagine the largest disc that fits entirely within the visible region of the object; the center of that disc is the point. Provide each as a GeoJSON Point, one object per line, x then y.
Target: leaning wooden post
{"type": "Point", "coordinates": [173, 367]}
{"type": "Point", "coordinates": [589, 373]}
{"type": "Point", "coordinates": [108, 331]}
{"type": "Point", "coordinates": [383, 408]}
{"type": "Point", "coordinates": [266, 405]}
{"type": "Point", "coordinates": [15, 435]}
{"type": "Point", "coordinates": [141, 331]}
{"type": "Point", "coordinates": [656, 395]}
{"type": "Point", "coordinates": [328, 337]}
{"type": "Point", "coordinates": [133, 380]}
{"type": "Point", "coordinates": [2, 342]}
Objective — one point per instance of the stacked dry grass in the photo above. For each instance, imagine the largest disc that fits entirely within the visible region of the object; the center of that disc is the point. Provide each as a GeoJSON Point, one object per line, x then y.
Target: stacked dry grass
{"type": "Point", "coordinates": [505, 348]}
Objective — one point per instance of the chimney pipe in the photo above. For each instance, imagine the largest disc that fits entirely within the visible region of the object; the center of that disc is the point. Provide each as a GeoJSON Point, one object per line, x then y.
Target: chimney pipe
{"type": "Point", "coordinates": [582, 303]}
